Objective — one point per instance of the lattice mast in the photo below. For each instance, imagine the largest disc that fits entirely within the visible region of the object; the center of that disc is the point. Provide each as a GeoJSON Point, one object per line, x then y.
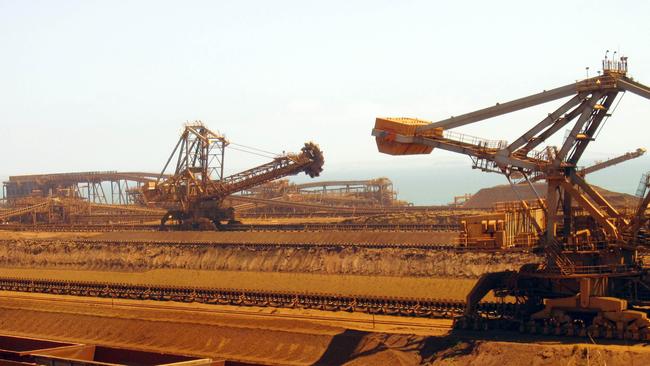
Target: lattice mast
{"type": "Point", "coordinates": [200, 155]}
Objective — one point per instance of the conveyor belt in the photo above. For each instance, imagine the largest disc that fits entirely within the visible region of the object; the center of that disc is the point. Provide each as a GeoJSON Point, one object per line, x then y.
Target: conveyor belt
{"type": "Point", "coordinates": [435, 308]}
{"type": "Point", "coordinates": [240, 227]}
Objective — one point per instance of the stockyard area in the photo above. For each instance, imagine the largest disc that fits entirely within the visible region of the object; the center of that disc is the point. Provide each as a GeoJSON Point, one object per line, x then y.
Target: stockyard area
{"type": "Point", "coordinates": [150, 214]}
{"type": "Point", "coordinates": [330, 272]}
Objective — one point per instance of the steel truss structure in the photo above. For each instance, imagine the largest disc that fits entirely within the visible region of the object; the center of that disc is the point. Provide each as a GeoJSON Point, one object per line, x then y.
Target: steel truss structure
{"type": "Point", "coordinates": [108, 187]}
{"type": "Point", "coordinates": [588, 108]}
{"type": "Point", "coordinates": [592, 265]}
{"type": "Point", "coordinates": [346, 194]}
{"type": "Point", "coordinates": [194, 193]}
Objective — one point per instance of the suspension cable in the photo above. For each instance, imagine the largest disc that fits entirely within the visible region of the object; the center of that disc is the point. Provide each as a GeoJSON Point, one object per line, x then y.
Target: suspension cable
{"type": "Point", "coordinates": [268, 156]}
{"type": "Point", "coordinates": [607, 117]}
{"type": "Point", "coordinates": [254, 148]}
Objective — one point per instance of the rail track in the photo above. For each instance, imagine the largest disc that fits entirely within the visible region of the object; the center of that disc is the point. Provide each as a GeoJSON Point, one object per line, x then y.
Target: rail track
{"type": "Point", "coordinates": [237, 227]}
{"type": "Point", "coordinates": [431, 308]}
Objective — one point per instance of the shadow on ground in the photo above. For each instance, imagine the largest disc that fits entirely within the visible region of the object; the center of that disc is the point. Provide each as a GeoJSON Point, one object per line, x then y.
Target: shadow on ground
{"type": "Point", "coordinates": [354, 348]}
{"type": "Point", "coordinates": [358, 348]}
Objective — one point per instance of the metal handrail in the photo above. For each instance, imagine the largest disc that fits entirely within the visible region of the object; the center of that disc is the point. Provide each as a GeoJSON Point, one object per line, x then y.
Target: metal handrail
{"type": "Point", "coordinates": [476, 141]}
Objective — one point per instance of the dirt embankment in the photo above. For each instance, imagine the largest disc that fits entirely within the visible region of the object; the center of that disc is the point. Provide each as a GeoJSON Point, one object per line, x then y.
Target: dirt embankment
{"type": "Point", "coordinates": [65, 254]}
{"type": "Point", "coordinates": [487, 197]}
{"type": "Point", "coordinates": [286, 340]}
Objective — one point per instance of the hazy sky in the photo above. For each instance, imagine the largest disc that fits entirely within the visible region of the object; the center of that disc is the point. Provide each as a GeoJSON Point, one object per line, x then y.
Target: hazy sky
{"type": "Point", "coordinates": [107, 85]}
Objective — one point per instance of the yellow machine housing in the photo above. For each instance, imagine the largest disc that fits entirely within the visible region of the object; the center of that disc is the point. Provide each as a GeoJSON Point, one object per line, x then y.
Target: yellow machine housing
{"type": "Point", "coordinates": [501, 229]}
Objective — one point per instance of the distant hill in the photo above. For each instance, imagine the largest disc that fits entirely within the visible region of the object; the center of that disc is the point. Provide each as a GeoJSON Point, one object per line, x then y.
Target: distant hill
{"type": "Point", "coordinates": [487, 197]}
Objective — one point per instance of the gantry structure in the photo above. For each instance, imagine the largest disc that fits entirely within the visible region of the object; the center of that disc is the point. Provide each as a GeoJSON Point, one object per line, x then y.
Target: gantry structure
{"type": "Point", "coordinates": [591, 261]}
{"type": "Point", "coordinates": [590, 105]}
{"type": "Point", "coordinates": [107, 187]}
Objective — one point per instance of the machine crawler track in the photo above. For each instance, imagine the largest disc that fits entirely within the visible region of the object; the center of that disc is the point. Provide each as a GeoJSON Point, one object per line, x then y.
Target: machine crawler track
{"type": "Point", "coordinates": [551, 329]}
